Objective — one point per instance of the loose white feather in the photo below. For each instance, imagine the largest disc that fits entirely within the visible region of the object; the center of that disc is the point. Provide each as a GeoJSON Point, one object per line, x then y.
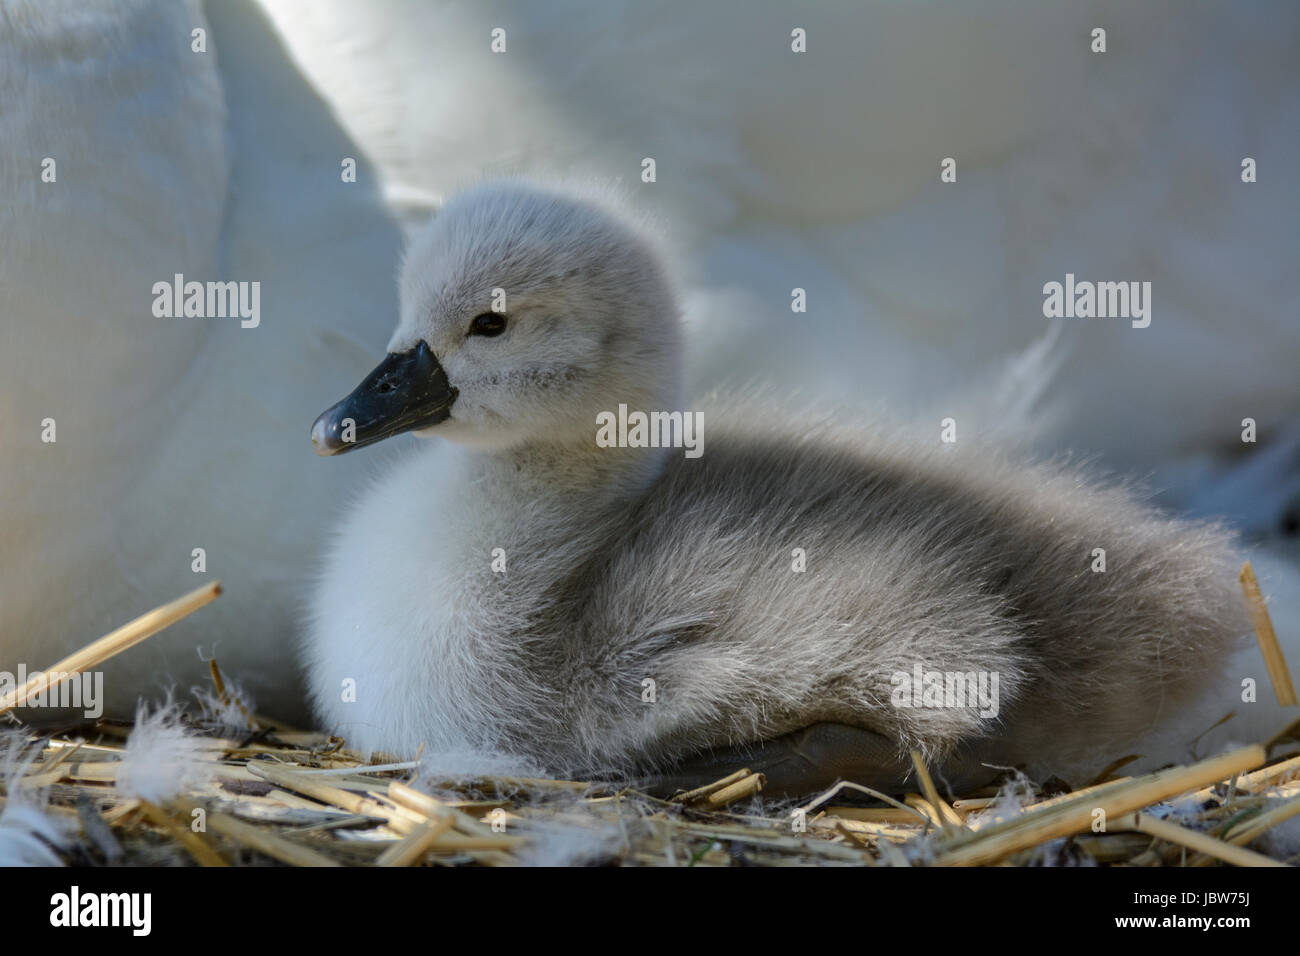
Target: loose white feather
{"type": "Point", "coordinates": [162, 758]}
{"type": "Point", "coordinates": [28, 836]}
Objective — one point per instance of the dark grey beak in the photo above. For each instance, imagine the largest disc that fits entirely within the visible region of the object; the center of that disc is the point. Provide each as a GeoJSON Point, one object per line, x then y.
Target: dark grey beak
{"type": "Point", "coordinates": [407, 390]}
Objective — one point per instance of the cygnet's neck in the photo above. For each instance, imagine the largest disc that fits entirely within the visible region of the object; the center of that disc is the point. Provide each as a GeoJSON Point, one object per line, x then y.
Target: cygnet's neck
{"type": "Point", "coordinates": [551, 467]}
{"type": "Point", "coordinates": [545, 504]}
{"type": "Point", "coordinates": [567, 463]}
{"type": "Point", "coordinates": [559, 484]}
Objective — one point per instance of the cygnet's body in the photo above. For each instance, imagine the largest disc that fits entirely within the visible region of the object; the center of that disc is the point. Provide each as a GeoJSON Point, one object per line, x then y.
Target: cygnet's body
{"type": "Point", "coordinates": [665, 615]}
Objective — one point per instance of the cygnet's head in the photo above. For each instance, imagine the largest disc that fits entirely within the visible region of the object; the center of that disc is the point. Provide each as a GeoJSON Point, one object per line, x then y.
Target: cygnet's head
{"type": "Point", "coordinates": [525, 312]}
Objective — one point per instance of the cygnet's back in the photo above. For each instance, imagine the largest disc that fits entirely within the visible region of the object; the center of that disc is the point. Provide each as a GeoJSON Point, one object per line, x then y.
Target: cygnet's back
{"type": "Point", "coordinates": [779, 581]}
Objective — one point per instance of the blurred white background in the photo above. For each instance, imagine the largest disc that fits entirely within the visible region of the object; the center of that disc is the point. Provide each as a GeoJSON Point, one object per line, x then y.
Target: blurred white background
{"type": "Point", "coordinates": [775, 170]}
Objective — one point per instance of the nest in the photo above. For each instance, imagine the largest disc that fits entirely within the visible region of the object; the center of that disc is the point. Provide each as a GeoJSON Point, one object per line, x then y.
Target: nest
{"type": "Point", "coordinates": [274, 795]}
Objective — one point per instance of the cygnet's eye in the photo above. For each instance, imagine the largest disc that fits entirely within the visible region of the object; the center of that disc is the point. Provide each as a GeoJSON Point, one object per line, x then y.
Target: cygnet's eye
{"type": "Point", "coordinates": [488, 323]}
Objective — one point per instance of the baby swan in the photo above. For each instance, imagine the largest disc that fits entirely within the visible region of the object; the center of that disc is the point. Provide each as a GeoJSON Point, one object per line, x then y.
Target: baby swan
{"type": "Point", "coordinates": [594, 611]}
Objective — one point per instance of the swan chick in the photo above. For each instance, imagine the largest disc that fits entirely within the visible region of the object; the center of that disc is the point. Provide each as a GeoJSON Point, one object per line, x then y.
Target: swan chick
{"type": "Point", "coordinates": [515, 588]}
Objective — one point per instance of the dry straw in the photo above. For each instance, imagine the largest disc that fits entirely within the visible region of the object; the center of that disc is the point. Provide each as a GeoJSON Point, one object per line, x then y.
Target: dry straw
{"type": "Point", "coordinates": [297, 798]}
{"type": "Point", "coordinates": [110, 645]}
{"type": "Point", "coordinates": [1268, 645]}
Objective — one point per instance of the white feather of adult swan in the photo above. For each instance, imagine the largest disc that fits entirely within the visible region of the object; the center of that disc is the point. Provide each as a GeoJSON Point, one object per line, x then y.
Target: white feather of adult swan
{"type": "Point", "coordinates": [821, 170]}
{"type": "Point", "coordinates": [171, 433]}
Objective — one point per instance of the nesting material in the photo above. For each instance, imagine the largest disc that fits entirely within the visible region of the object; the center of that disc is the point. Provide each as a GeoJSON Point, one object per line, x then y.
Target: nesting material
{"type": "Point", "coordinates": [110, 645]}
{"type": "Point", "coordinates": [162, 758]}
{"type": "Point", "coordinates": [28, 837]}
{"type": "Point", "coordinates": [1274, 660]}
{"type": "Point", "coordinates": [299, 799]}
{"type": "Point", "coordinates": [226, 786]}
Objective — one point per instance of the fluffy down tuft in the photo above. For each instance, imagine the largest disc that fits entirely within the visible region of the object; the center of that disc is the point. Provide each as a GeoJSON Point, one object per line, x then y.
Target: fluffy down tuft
{"type": "Point", "coordinates": [162, 758]}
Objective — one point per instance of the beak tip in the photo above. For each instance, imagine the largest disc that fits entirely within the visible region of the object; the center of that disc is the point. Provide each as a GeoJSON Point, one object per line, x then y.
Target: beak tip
{"type": "Point", "coordinates": [320, 438]}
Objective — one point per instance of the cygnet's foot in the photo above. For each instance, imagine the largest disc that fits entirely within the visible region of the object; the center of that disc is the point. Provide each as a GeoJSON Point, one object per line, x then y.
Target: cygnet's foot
{"type": "Point", "coordinates": [797, 763]}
